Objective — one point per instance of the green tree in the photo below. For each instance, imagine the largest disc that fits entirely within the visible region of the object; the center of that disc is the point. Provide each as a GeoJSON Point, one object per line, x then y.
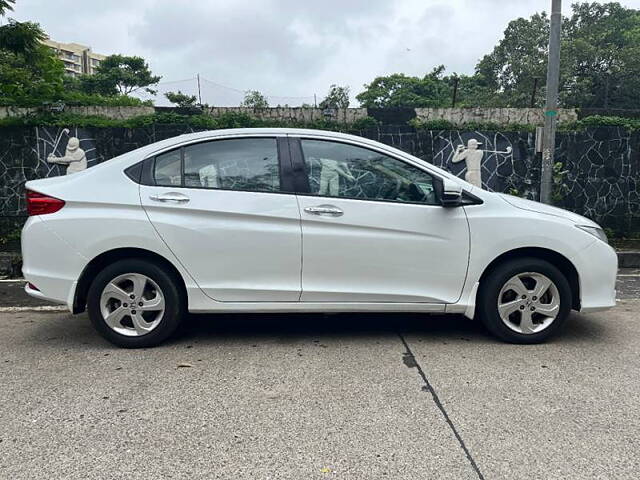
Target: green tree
{"type": "Point", "coordinates": [6, 5]}
{"type": "Point", "coordinates": [433, 90]}
{"type": "Point", "coordinates": [338, 97]}
{"type": "Point", "coordinates": [180, 99]}
{"type": "Point", "coordinates": [600, 58]}
{"type": "Point", "coordinates": [254, 99]}
{"type": "Point", "coordinates": [602, 52]}
{"type": "Point", "coordinates": [519, 58]}
{"type": "Point", "coordinates": [119, 74]}
{"type": "Point", "coordinates": [29, 71]}
{"type": "Point", "coordinates": [21, 37]}
{"type": "Point", "coordinates": [30, 80]}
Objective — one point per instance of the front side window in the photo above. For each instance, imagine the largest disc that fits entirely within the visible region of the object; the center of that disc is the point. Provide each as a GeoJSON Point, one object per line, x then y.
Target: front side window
{"type": "Point", "coordinates": [239, 164]}
{"type": "Point", "coordinates": [342, 170]}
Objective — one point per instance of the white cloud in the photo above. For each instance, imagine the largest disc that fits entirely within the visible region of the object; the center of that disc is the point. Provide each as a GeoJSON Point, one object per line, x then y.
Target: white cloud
{"type": "Point", "coordinates": [286, 48]}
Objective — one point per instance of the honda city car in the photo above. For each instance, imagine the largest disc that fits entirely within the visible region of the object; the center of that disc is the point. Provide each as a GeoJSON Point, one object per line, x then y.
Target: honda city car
{"type": "Point", "coordinates": [292, 220]}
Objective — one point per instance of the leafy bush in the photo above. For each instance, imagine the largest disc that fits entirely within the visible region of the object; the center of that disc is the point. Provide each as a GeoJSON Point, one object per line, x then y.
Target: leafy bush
{"type": "Point", "coordinates": [441, 124]}
{"type": "Point", "coordinates": [365, 123]}
{"type": "Point", "coordinates": [243, 120]}
{"type": "Point", "coordinates": [593, 121]}
{"type": "Point", "coordinates": [438, 124]}
{"type": "Point", "coordinates": [75, 98]}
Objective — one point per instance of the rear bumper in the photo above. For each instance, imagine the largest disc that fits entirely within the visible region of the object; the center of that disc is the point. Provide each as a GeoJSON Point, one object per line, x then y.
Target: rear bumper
{"type": "Point", "coordinates": [49, 263]}
{"type": "Point", "coordinates": [597, 267]}
{"type": "Point", "coordinates": [39, 295]}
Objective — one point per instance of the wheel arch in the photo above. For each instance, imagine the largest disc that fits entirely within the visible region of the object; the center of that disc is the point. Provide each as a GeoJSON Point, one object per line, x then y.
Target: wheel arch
{"type": "Point", "coordinates": [101, 261]}
{"type": "Point", "coordinates": [557, 259]}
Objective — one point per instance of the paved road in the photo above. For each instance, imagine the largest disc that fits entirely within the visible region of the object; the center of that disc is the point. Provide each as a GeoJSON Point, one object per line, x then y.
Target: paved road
{"type": "Point", "coordinates": [315, 396]}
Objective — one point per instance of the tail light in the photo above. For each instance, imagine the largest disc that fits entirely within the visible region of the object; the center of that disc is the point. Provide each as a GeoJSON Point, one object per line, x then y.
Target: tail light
{"type": "Point", "coordinates": [39, 204]}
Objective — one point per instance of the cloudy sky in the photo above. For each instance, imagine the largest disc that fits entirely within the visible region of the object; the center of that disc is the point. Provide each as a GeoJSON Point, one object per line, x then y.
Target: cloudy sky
{"type": "Point", "coordinates": [288, 49]}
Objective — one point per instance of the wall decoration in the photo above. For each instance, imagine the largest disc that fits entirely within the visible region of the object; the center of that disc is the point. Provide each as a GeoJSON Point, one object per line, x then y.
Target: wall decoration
{"type": "Point", "coordinates": [74, 157]}
{"type": "Point", "coordinates": [472, 156]}
{"type": "Point", "coordinates": [601, 165]}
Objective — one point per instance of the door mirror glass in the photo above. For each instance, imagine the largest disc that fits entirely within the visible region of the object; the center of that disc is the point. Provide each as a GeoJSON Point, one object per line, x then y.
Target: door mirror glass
{"type": "Point", "coordinates": [451, 193]}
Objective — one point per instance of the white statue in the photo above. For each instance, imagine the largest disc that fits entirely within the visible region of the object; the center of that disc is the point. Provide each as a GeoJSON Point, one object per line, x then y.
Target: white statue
{"type": "Point", "coordinates": [473, 157]}
{"type": "Point", "coordinates": [330, 173]}
{"type": "Point", "coordinates": [74, 157]}
{"type": "Point", "coordinates": [209, 176]}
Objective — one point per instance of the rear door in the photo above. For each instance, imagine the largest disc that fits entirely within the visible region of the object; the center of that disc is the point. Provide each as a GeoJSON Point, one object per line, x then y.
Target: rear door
{"type": "Point", "coordinates": [224, 209]}
{"type": "Point", "coordinates": [373, 229]}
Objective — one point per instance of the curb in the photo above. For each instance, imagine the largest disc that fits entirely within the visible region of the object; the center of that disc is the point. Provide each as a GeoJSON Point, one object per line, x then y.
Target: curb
{"type": "Point", "coordinates": [11, 262]}
{"type": "Point", "coordinates": [629, 259]}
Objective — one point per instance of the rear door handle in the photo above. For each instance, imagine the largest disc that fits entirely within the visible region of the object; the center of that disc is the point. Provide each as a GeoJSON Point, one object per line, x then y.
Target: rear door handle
{"type": "Point", "coordinates": [170, 197]}
{"type": "Point", "coordinates": [329, 210]}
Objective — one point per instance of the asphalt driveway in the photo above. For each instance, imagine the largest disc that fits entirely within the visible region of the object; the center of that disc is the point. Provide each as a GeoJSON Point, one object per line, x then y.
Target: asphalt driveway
{"type": "Point", "coordinates": [320, 396]}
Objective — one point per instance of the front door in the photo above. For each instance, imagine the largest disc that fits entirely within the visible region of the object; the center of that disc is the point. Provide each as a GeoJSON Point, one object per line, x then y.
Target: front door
{"type": "Point", "coordinates": [373, 230]}
{"type": "Point", "coordinates": [220, 208]}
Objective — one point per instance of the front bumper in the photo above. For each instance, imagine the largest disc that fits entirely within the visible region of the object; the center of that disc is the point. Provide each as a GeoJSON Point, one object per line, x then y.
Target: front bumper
{"type": "Point", "coordinates": [597, 267]}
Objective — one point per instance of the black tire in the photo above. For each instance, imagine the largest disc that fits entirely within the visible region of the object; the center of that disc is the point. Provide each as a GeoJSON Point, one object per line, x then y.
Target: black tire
{"type": "Point", "coordinates": [174, 310]}
{"type": "Point", "coordinates": [490, 289]}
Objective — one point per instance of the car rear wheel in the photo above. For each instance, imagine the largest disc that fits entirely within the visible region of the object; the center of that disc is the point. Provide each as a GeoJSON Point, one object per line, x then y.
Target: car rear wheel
{"type": "Point", "coordinates": [524, 300]}
{"type": "Point", "coordinates": [135, 303]}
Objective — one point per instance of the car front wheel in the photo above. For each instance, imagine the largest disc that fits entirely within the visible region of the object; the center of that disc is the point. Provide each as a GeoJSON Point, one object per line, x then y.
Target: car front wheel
{"type": "Point", "coordinates": [524, 300]}
{"type": "Point", "coordinates": [135, 303]}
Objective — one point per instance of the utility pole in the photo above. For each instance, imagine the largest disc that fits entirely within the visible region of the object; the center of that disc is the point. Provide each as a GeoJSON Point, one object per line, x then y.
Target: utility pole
{"type": "Point", "coordinates": [456, 80]}
{"type": "Point", "coordinates": [199, 97]}
{"type": "Point", "coordinates": [551, 107]}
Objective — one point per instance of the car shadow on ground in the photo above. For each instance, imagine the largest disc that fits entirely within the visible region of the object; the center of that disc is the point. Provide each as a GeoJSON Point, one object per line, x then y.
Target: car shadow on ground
{"type": "Point", "coordinates": [67, 330]}
{"type": "Point", "coordinates": [426, 326]}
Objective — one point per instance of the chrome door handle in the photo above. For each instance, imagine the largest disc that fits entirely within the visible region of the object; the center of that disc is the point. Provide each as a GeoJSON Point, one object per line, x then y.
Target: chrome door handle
{"type": "Point", "coordinates": [170, 197]}
{"type": "Point", "coordinates": [325, 210]}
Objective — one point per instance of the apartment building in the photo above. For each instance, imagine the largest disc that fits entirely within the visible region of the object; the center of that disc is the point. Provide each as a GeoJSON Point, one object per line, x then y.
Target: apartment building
{"type": "Point", "coordinates": [77, 59]}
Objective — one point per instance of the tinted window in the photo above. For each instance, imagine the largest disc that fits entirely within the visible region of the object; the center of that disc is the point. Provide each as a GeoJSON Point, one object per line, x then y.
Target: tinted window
{"type": "Point", "coordinates": [341, 170]}
{"type": "Point", "coordinates": [167, 170]}
{"type": "Point", "coordinates": [242, 164]}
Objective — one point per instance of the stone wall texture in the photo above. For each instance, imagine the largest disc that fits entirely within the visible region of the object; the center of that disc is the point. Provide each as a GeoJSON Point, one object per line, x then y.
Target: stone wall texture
{"type": "Point", "coordinates": [295, 114]}
{"type": "Point", "coordinates": [599, 179]}
{"type": "Point", "coordinates": [457, 116]}
{"type": "Point", "coordinates": [502, 116]}
{"type": "Point", "coordinates": [117, 113]}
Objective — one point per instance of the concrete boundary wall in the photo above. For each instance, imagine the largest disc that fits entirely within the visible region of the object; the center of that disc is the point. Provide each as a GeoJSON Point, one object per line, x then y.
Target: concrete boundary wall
{"type": "Point", "coordinates": [296, 114]}
{"type": "Point", "coordinates": [457, 116]}
{"type": "Point", "coordinates": [502, 116]}
{"type": "Point", "coordinates": [116, 113]}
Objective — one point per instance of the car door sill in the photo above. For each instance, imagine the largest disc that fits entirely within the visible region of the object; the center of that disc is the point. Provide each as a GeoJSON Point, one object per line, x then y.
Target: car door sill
{"type": "Point", "coordinates": [322, 307]}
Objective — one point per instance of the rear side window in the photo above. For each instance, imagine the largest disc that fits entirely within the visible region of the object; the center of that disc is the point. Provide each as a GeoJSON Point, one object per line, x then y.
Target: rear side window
{"type": "Point", "coordinates": [238, 164]}
{"type": "Point", "coordinates": [168, 169]}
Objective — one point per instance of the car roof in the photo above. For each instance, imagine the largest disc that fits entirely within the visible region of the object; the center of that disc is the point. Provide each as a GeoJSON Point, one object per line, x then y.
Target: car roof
{"type": "Point", "coordinates": [186, 137]}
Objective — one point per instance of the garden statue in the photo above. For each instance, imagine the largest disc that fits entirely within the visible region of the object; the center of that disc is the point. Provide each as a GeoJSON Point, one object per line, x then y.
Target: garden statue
{"type": "Point", "coordinates": [330, 174]}
{"type": "Point", "coordinates": [473, 157]}
{"type": "Point", "coordinates": [74, 157]}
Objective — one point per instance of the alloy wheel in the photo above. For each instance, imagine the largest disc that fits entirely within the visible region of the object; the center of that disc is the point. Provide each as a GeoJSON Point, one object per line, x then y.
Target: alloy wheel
{"type": "Point", "coordinates": [528, 302]}
{"type": "Point", "coordinates": [132, 304]}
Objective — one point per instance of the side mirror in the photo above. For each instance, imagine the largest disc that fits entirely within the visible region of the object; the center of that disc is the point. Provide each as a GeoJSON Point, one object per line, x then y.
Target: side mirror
{"type": "Point", "coordinates": [451, 195]}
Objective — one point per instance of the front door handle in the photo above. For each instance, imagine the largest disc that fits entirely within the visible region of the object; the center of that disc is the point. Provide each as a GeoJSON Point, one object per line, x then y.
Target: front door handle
{"type": "Point", "coordinates": [329, 210]}
{"type": "Point", "coordinates": [170, 197]}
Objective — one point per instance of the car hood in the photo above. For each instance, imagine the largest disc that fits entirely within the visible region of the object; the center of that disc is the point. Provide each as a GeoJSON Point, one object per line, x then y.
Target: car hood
{"type": "Point", "coordinates": [538, 207]}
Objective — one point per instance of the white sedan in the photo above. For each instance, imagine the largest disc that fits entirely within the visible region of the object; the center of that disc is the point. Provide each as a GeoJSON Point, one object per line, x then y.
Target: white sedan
{"type": "Point", "coordinates": [289, 220]}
